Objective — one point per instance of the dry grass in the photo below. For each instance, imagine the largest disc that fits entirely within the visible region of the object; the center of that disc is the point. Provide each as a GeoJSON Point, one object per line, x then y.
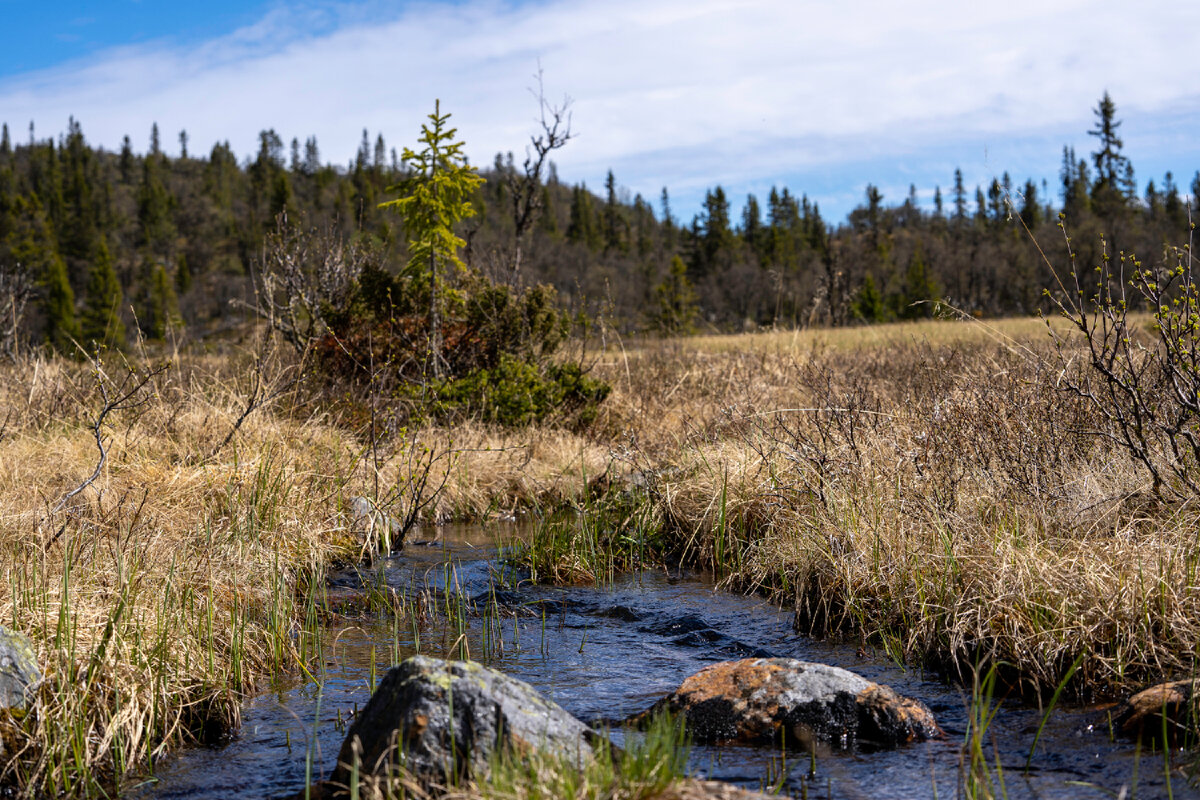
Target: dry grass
{"type": "Point", "coordinates": [174, 583]}
{"type": "Point", "coordinates": [925, 488]}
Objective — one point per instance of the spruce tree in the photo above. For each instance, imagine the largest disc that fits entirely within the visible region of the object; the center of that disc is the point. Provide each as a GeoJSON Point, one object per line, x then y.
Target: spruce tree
{"type": "Point", "coordinates": [717, 240]}
{"type": "Point", "coordinates": [434, 198]}
{"type": "Point", "coordinates": [32, 245]}
{"type": "Point", "coordinates": [1108, 192]}
{"type": "Point", "coordinates": [62, 329]}
{"type": "Point", "coordinates": [101, 319]}
{"type": "Point", "coordinates": [614, 222]}
{"type": "Point", "coordinates": [581, 222]}
{"type": "Point", "coordinates": [868, 302]}
{"type": "Point", "coordinates": [676, 301]}
{"type": "Point", "coordinates": [1031, 210]}
{"type": "Point", "coordinates": [960, 198]}
{"type": "Point", "coordinates": [160, 314]}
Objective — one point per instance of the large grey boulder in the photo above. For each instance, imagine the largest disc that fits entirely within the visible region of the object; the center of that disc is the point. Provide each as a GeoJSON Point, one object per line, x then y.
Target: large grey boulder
{"type": "Point", "coordinates": [19, 677]}
{"type": "Point", "coordinates": [764, 699]}
{"type": "Point", "coordinates": [442, 721]}
{"type": "Point", "coordinates": [19, 672]}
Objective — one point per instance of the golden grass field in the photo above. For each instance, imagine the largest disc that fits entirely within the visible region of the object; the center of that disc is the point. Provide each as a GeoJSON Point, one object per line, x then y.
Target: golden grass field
{"type": "Point", "coordinates": [926, 489]}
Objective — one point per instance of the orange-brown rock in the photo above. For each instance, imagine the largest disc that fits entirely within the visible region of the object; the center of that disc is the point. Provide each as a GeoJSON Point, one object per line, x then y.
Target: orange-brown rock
{"type": "Point", "coordinates": [766, 699]}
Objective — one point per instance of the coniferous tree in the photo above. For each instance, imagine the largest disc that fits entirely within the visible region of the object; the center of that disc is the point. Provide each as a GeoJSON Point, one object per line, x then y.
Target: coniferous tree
{"type": "Point", "coordinates": [868, 302]}
{"type": "Point", "coordinates": [62, 329]}
{"type": "Point", "coordinates": [126, 162]}
{"type": "Point", "coordinates": [160, 312]}
{"type": "Point", "coordinates": [614, 223]}
{"type": "Point", "coordinates": [753, 232]}
{"type": "Point", "coordinates": [1108, 195]}
{"type": "Point", "coordinates": [1031, 210]}
{"type": "Point", "coordinates": [581, 224]}
{"type": "Point", "coordinates": [716, 242]}
{"type": "Point", "coordinates": [435, 197]}
{"type": "Point", "coordinates": [31, 244]}
{"type": "Point", "coordinates": [101, 321]}
{"type": "Point", "coordinates": [312, 156]}
{"type": "Point", "coordinates": [676, 301]}
{"type": "Point", "coordinates": [155, 226]}
{"type": "Point", "coordinates": [918, 289]}
{"type": "Point", "coordinates": [668, 221]}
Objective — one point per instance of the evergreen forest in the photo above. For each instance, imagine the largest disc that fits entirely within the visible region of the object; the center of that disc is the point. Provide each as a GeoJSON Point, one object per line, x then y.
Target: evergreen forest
{"type": "Point", "coordinates": [104, 247]}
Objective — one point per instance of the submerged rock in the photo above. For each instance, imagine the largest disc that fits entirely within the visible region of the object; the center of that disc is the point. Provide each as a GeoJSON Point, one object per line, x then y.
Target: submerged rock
{"type": "Point", "coordinates": [762, 699]}
{"type": "Point", "coordinates": [19, 672]}
{"type": "Point", "coordinates": [1167, 707]}
{"type": "Point", "coordinates": [443, 720]}
{"type": "Point", "coordinates": [372, 524]}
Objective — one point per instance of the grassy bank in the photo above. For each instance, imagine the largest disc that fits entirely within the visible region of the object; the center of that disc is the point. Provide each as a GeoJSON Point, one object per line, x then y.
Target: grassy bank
{"type": "Point", "coordinates": [926, 489]}
{"type": "Point", "coordinates": [182, 577]}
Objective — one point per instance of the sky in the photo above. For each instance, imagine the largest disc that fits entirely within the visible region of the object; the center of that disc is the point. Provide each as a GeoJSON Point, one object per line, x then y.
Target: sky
{"type": "Point", "coordinates": [821, 96]}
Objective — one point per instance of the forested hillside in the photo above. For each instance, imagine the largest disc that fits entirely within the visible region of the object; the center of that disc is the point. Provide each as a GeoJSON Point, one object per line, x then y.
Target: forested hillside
{"type": "Point", "coordinates": [101, 246]}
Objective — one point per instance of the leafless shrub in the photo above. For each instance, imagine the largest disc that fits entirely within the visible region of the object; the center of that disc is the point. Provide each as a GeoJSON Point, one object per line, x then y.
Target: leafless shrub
{"type": "Point", "coordinates": [307, 275]}
{"type": "Point", "coordinates": [1144, 384]}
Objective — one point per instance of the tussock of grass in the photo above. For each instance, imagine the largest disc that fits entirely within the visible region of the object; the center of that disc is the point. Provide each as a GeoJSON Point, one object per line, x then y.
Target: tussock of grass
{"type": "Point", "coordinates": [174, 583]}
{"type": "Point", "coordinates": [649, 767]}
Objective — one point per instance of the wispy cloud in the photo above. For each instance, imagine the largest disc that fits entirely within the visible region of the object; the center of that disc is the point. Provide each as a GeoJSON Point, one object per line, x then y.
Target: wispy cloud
{"type": "Point", "coordinates": [684, 93]}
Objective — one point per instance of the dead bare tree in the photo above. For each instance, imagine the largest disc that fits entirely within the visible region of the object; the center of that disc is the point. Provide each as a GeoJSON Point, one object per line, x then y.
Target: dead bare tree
{"type": "Point", "coordinates": [16, 289]}
{"type": "Point", "coordinates": [525, 187]}
{"type": "Point", "coordinates": [305, 273]}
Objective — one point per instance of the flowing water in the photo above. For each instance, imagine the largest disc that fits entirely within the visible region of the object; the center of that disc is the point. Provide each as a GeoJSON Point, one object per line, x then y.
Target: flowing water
{"type": "Point", "coordinates": [606, 652]}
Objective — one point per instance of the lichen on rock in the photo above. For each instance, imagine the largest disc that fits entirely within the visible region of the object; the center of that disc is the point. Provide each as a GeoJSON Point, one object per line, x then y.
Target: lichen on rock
{"type": "Point", "coordinates": [764, 699]}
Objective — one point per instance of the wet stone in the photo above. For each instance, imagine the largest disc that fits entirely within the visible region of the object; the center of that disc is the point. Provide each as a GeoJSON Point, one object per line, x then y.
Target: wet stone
{"type": "Point", "coordinates": [442, 721]}
{"type": "Point", "coordinates": [1167, 707]}
{"type": "Point", "coordinates": [717, 642]}
{"type": "Point", "coordinates": [19, 677]}
{"type": "Point", "coordinates": [623, 613]}
{"type": "Point", "coordinates": [761, 700]}
{"type": "Point", "coordinates": [19, 672]}
{"type": "Point", "coordinates": [371, 523]}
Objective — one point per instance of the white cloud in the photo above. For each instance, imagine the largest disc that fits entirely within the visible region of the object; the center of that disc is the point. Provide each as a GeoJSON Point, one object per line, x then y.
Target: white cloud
{"type": "Point", "coordinates": [685, 93]}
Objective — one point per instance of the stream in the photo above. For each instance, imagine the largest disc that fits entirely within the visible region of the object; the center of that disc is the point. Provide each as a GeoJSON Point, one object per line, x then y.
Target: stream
{"type": "Point", "coordinates": [606, 652]}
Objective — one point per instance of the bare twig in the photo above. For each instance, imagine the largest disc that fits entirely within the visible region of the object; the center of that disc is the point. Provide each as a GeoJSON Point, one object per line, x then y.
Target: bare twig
{"type": "Point", "coordinates": [114, 396]}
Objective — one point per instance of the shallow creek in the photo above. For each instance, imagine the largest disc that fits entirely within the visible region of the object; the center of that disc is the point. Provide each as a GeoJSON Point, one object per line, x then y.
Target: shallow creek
{"type": "Point", "coordinates": [606, 652]}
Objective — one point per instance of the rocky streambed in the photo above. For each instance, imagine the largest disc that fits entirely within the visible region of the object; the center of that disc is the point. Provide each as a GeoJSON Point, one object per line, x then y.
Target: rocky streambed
{"type": "Point", "coordinates": [608, 654]}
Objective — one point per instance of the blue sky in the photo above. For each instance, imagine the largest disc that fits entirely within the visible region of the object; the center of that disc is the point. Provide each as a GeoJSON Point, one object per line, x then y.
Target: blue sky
{"type": "Point", "coordinates": [818, 95]}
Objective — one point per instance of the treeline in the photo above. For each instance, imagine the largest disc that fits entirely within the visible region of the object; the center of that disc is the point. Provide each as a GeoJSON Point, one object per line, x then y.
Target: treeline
{"type": "Point", "coordinates": [99, 246]}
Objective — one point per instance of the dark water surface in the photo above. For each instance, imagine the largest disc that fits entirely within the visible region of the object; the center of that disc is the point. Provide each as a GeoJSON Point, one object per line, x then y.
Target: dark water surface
{"type": "Point", "coordinates": [605, 653]}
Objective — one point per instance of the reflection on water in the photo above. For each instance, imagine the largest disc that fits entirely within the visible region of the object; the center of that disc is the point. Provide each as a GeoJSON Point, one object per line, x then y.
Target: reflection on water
{"type": "Point", "coordinates": [605, 653]}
